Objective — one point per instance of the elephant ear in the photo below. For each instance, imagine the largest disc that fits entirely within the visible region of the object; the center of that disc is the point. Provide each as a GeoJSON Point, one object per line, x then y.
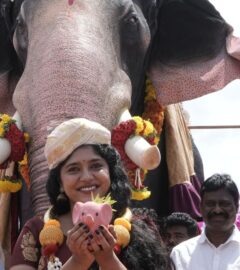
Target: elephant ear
{"type": "Point", "coordinates": [188, 54]}
{"type": "Point", "coordinates": [150, 10]}
{"type": "Point", "coordinates": [106, 213]}
{"type": "Point", "coordinates": [76, 212]}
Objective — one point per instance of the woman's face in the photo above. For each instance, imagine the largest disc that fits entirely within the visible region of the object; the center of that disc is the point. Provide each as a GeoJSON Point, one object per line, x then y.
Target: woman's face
{"type": "Point", "coordinates": [85, 174]}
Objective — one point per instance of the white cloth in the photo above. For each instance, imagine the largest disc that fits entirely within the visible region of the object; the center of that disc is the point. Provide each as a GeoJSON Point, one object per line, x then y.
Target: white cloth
{"type": "Point", "coordinates": [199, 254]}
{"type": "Point", "coordinates": [69, 135]}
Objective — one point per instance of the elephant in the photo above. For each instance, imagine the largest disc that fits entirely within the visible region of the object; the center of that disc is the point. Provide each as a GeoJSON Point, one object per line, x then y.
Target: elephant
{"type": "Point", "coordinates": [89, 58]}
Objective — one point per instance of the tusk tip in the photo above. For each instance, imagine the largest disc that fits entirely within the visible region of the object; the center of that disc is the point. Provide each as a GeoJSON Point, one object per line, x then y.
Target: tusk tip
{"type": "Point", "coordinates": [151, 158]}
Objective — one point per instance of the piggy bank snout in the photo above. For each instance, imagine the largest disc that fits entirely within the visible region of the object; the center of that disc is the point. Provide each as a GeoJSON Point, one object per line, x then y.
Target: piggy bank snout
{"type": "Point", "coordinates": [89, 220]}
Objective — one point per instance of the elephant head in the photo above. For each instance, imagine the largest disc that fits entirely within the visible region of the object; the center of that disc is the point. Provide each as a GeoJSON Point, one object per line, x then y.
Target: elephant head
{"type": "Point", "coordinates": [89, 58]}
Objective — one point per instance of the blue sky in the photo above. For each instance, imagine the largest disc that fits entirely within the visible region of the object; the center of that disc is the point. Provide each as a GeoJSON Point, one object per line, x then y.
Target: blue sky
{"type": "Point", "coordinates": [220, 148]}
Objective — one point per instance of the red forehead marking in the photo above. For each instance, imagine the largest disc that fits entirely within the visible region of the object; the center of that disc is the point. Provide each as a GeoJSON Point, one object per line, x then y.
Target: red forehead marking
{"type": "Point", "coordinates": [70, 2]}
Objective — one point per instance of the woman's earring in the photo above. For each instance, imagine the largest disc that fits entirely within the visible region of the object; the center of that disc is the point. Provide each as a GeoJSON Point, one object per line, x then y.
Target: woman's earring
{"type": "Point", "coordinates": [62, 197]}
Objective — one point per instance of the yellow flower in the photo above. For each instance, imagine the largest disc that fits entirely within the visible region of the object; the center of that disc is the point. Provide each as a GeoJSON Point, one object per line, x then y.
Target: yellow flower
{"type": "Point", "coordinates": [52, 222]}
{"type": "Point", "coordinates": [51, 233]}
{"type": "Point", "coordinates": [150, 91]}
{"type": "Point", "coordinates": [14, 187]}
{"type": "Point", "coordinates": [140, 195]}
{"type": "Point", "coordinates": [2, 131]}
{"type": "Point", "coordinates": [6, 118]}
{"type": "Point", "coordinates": [123, 235]}
{"type": "Point", "coordinates": [156, 140]}
{"type": "Point", "coordinates": [8, 186]}
{"type": "Point", "coordinates": [124, 222]}
{"type": "Point", "coordinates": [24, 161]}
{"type": "Point", "coordinates": [5, 121]}
{"type": "Point", "coordinates": [149, 129]}
{"type": "Point", "coordinates": [140, 124]}
{"type": "Point", "coordinates": [26, 137]}
{"type": "Point", "coordinates": [3, 186]}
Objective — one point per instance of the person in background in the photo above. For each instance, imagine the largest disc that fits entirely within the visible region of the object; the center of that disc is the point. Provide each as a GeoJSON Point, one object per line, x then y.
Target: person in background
{"type": "Point", "coordinates": [177, 228]}
{"type": "Point", "coordinates": [84, 165]}
{"type": "Point", "coordinates": [218, 246]}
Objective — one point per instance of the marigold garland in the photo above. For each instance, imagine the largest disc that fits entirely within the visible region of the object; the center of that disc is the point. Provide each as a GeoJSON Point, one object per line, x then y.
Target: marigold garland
{"type": "Point", "coordinates": [23, 168]}
{"type": "Point", "coordinates": [120, 134]}
{"type": "Point", "coordinates": [10, 131]}
{"type": "Point", "coordinates": [153, 112]}
{"type": "Point", "coordinates": [10, 184]}
{"type": "Point", "coordinates": [17, 140]}
{"type": "Point", "coordinates": [51, 238]}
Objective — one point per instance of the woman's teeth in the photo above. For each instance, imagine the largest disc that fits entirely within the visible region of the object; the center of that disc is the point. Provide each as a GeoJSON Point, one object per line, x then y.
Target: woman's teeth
{"type": "Point", "coordinates": [91, 188]}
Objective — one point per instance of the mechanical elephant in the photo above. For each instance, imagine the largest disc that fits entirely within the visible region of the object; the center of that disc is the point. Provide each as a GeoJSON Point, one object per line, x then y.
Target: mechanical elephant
{"type": "Point", "coordinates": [62, 59]}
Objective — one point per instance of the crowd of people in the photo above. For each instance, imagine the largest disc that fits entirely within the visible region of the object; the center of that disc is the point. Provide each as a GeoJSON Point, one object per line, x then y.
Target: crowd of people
{"type": "Point", "coordinates": [87, 166]}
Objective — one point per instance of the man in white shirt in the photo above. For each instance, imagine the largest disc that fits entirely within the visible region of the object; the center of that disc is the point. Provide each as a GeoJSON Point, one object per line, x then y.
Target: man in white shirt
{"type": "Point", "coordinates": [218, 247]}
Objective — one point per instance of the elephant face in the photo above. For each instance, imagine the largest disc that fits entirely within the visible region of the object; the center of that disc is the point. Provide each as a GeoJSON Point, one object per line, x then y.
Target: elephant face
{"type": "Point", "coordinates": [80, 60]}
{"type": "Point", "coordinates": [66, 71]}
{"type": "Point", "coordinates": [89, 58]}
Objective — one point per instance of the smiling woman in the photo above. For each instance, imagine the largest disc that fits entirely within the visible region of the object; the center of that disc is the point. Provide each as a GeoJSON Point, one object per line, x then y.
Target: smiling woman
{"type": "Point", "coordinates": [86, 165]}
{"type": "Point", "coordinates": [83, 167]}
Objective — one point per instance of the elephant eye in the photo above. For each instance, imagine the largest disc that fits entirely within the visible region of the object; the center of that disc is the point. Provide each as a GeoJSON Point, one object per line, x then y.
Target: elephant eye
{"type": "Point", "coordinates": [131, 20]}
{"type": "Point", "coordinates": [83, 213]}
{"type": "Point", "coordinates": [96, 214]}
{"type": "Point", "coordinates": [21, 38]}
{"type": "Point", "coordinates": [20, 25]}
{"type": "Point", "coordinates": [130, 27]}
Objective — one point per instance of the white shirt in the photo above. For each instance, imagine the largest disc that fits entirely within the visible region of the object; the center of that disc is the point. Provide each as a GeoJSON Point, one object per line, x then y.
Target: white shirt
{"type": "Point", "coordinates": [199, 253]}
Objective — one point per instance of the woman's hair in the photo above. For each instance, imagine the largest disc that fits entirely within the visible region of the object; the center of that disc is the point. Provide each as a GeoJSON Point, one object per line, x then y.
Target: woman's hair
{"type": "Point", "coordinates": [119, 188]}
{"type": "Point", "coordinates": [145, 250]}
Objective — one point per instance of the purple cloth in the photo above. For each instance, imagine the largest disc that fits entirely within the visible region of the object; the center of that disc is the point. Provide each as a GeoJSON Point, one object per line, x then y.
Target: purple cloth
{"type": "Point", "coordinates": [196, 183]}
{"type": "Point", "coordinates": [185, 198]}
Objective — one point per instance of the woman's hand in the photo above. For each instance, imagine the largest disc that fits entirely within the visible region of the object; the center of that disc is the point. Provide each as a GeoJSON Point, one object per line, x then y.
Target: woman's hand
{"type": "Point", "coordinates": [102, 245]}
{"type": "Point", "coordinates": [103, 241]}
{"type": "Point", "coordinates": [78, 241]}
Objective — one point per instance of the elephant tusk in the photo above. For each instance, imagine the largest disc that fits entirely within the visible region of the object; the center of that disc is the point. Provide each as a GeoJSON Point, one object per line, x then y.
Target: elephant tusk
{"type": "Point", "coordinates": [17, 117]}
{"type": "Point", "coordinates": [145, 155]}
{"type": "Point", "coordinates": [142, 153]}
{"type": "Point", "coordinates": [124, 115]}
{"type": "Point", "coordinates": [5, 145]}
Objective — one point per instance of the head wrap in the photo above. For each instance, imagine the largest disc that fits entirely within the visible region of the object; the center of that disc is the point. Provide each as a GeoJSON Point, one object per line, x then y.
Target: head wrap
{"type": "Point", "coordinates": [71, 134]}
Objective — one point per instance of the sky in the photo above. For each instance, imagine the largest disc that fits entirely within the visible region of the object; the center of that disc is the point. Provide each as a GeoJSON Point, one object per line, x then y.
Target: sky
{"type": "Point", "coordinates": [219, 148]}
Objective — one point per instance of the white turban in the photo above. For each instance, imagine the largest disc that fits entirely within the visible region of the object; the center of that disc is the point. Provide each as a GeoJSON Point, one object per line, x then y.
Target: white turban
{"type": "Point", "coordinates": [71, 134]}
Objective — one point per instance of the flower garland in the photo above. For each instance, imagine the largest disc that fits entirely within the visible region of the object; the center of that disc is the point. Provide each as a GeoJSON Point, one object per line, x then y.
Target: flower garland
{"type": "Point", "coordinates": [17, 140]}
{"type": "Point", "coordinates": [153, 112]}
{"type": "Point", "coordinates": [122, 228]}
{"type": "Point", "coordinates": [10, 184]}
{"type": "Point", "coordinates": [51, 238]}
{"type": "Point", "coordinates": [23, 167]}
{"type": "Point", "coordinates": [120, 134]}
{"type": "Point", "coordinates": [10, 131]}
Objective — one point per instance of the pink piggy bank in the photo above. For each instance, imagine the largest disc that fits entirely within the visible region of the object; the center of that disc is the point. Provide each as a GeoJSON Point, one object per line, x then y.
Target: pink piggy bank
{"type": "Point", "coordinates": [92, 214]}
